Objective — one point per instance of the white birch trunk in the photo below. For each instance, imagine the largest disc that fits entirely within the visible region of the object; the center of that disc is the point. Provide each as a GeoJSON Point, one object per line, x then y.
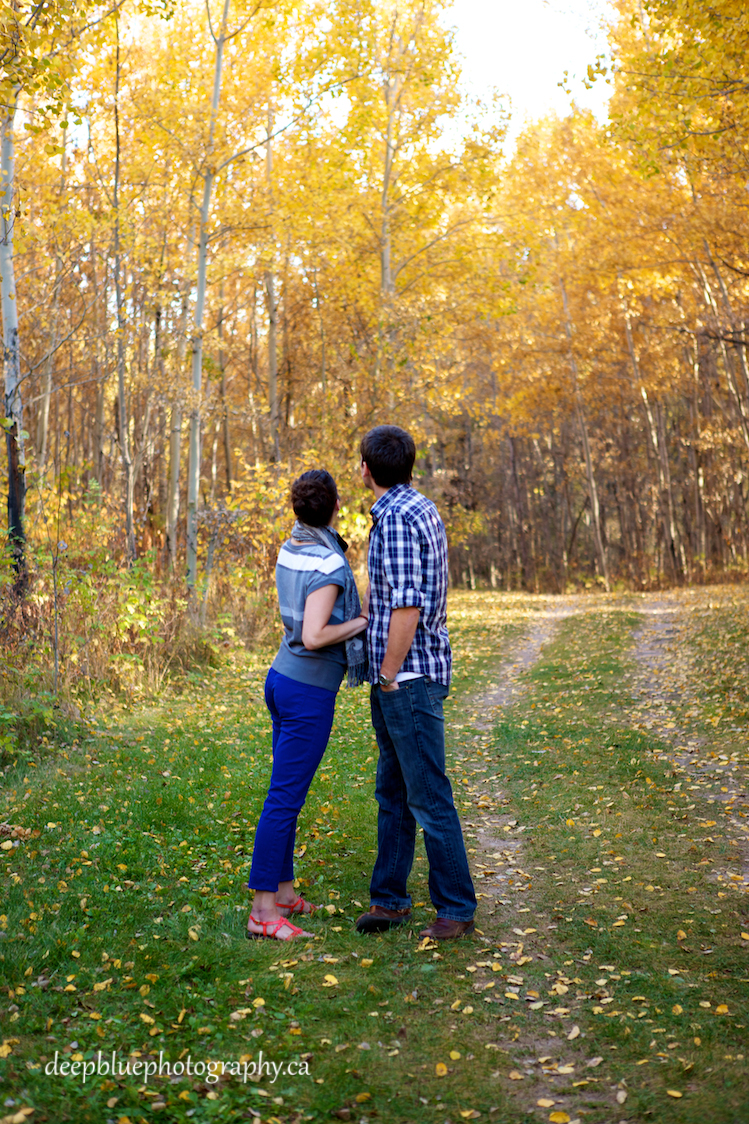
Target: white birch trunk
{"type": "Point", "coordinates": [13, 412]}
{"type": "Point", "coordinates": [658, 448]}
{"type": "Point", "coordinates": [193, 470]}
{"type": "Point", "coordinates": [42, 430]}
{"type": "Point", "coordinates": [595, 510]}
{"type": "Point", "coordinates": [272, 304]}
{"type": "Point", "coordinates": [123, 422]}
{"type": "Point", "coordinates": [175, 446]}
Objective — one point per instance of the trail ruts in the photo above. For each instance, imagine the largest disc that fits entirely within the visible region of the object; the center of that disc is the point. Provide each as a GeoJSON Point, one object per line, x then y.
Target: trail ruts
{"type": "Point", "coordinates": [498, 844]}
{"type": "Point", "coordinates": [662, 691]}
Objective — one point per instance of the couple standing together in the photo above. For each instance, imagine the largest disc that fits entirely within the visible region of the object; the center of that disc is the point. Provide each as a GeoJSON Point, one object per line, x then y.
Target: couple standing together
{"type": "Point", "coordinates": [399, 639]}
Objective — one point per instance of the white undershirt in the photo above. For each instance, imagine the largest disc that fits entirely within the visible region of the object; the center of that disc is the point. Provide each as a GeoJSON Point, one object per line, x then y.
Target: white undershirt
{"type": "Point", "coordinates": [402, 676]}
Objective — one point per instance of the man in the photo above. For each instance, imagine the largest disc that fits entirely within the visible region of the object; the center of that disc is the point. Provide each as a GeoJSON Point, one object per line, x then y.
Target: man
{"type": "Point", "coordinates": [410, 665]}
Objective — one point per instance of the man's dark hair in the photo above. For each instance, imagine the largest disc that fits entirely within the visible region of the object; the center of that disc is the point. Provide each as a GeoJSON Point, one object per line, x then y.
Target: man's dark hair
{"type": "Point", "coordinates": [313, 497]}
{"type": "Point", "coordinates": [389, 454]}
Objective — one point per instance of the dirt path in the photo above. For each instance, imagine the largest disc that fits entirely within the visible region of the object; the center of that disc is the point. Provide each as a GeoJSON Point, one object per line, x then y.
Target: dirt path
{"type": "Point", "coordinates": [496, 850]}
{"type": "Point", "coordinates": [663, 694]}
{"type": "Point", "coordinates": [660, 687]}
{"type": "Point", "coordinates": [497, 836]}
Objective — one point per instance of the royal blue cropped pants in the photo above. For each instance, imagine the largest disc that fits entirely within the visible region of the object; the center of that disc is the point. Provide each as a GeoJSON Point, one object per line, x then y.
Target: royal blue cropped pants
{"type": "Point", "coordinates": [302, 720]}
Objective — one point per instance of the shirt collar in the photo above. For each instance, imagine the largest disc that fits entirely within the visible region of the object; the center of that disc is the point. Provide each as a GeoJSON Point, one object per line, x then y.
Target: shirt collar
{"type": "Point", "coordinates": [380, 506]}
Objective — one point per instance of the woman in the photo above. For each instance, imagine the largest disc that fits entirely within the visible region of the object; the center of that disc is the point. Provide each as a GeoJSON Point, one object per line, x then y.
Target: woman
{"type": "Point", "coordinates": [322, 618]}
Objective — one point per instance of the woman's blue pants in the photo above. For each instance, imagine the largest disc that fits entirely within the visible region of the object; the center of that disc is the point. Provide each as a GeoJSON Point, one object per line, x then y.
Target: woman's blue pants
{"type": "Point", "coordinates": [302, 720]}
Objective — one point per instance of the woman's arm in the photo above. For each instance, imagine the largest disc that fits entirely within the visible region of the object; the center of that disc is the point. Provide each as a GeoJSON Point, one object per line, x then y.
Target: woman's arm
{"type": "Point", "coordinates": [316, 632]}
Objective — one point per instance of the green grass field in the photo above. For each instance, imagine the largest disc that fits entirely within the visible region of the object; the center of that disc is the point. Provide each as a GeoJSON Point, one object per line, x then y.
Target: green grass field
{"type": "Point", "coordinates": [608, 979]}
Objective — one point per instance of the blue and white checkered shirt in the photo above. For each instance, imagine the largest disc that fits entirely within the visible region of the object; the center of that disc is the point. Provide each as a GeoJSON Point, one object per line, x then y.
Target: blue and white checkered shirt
{"type": "Point", "coordinates": [408, 567]}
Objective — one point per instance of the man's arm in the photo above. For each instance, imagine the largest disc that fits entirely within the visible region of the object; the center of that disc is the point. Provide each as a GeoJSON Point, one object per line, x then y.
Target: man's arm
{"type": "Point", "coordinates": [403, 623]}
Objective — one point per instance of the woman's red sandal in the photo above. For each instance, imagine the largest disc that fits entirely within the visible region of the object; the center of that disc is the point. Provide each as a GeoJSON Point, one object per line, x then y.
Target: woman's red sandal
{"type": "Point", "coordinates": [299, 906]}
{"type": "Point", "coordinates": [274, 926]}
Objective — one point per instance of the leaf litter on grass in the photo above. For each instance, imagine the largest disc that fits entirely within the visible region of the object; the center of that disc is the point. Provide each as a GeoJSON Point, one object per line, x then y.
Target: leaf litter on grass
{"type": "Point", "coordinates": [552, 961]}
{"type": "Point", "coordinates": [604, 1000]}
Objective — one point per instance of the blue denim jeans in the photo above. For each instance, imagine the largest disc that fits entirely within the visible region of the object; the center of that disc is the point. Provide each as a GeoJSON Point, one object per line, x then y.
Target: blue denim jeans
{"type": "Point", "coordinates": [302, 720]}
{"type": "Point", "coordinates": [412, 788]}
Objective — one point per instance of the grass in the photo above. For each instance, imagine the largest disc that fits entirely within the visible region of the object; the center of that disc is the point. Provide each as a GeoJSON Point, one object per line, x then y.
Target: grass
{"type": "Point", "coordinates": [124, 911]}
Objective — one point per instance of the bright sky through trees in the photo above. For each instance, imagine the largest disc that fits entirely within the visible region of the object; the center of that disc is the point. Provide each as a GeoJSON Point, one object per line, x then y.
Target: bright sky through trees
{"type": "Point", "coordinates": [523, 47]}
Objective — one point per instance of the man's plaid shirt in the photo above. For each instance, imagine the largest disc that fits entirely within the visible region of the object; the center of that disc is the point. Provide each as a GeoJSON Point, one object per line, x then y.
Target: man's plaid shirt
{"type": "Point", "coordinates": [407, 568]}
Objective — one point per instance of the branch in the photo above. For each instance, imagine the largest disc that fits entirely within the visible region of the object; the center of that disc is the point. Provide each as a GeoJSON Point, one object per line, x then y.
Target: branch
{"type": "Point", "coordinates": [292, 121]}
{"type": "Point", "coordinates": [428, 245]}
{"type": "Point", "coordinates": [57, 347]}
{"type": "Point", "coordinates": [733, 268]}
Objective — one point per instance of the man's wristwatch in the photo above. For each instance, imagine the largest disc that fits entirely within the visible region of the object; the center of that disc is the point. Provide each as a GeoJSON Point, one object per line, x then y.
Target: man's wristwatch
{"type": "Point", "coordinates": [384, 681]}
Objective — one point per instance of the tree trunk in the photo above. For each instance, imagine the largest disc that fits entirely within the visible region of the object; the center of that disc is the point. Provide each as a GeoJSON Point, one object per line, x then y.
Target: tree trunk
{"type": "Point", "coordinates": [224, 402]}
{"type": "Point", "coordinates": [43, 417]}
{"type": "Point", "coordinates": [521, 509]}
{"type": "Point", "coordinates": [193, 471]}
{"type": "Point", "coordinates": [658, 447]}
{"type": "Point", "coordinates": [175, 444]}
{"type": "Point", "coordinates": [272, 302]}
{"type": "Point", "coordinates": [733, 385]}
{"type": "Point", "coordinates": [595, 510]}
{"type": "Point", "coordinates": [122, 411]}
{"type": "Point", "coordinates": [13, 412]}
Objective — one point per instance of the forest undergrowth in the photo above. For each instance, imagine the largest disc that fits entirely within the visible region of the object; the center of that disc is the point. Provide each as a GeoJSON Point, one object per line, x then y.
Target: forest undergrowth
{"type": "Point", "coordinates": [607, 979]}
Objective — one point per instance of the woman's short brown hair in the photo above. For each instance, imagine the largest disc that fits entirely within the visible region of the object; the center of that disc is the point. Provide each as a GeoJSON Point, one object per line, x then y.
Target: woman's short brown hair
{"type": "Point", "coordinates": [313, 497]}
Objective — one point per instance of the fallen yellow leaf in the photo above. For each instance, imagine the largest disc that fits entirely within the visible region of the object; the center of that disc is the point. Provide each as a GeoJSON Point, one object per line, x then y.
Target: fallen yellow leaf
{"type": "Point", "coordinates": [515, 1076]}
{"type": "Point", "coordinates": [330, 981]}
{"type": "Point", "coordinates": [258, 1002]}
{"type": "Point", "coordinates": [721, 1009]}
{"type": "Point", "coordinates": [574, 1033]}
{"type": "Point", "coordinates": [440, 1069]}
{"type": "Point", "coordinates": [362, 1097]}
{"type": "Point", "coordinates": [681, 935]}
{"type": "Point", "coordinates": [545, 1102]}
{"type": "Point", "coordinates": [677, 1009]}
{"type": "Point", "coordinates": [674, 1093]}
{"type": "Point", "coordinates": [455, 1055]}
{"type": "Point", "coordinates": [559, 1117]}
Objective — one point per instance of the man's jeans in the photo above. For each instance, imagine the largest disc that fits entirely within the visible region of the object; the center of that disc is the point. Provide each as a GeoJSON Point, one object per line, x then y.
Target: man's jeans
{"type": "Point", "coordinates": [412, 788]}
